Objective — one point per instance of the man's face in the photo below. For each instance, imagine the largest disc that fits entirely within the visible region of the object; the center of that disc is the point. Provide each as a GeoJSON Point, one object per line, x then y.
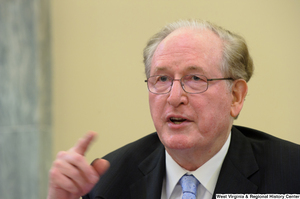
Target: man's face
{"type": "Point", "coordinates": [191, 121]}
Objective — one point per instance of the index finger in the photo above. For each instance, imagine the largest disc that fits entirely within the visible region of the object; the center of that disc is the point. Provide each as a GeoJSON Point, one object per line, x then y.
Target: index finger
{"type": "Point", "coordinates": [84, 142]}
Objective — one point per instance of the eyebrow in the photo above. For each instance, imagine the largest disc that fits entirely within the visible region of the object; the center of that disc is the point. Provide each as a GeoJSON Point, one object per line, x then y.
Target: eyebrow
{"type": "Point", "coordinates": [189, 68]}
{"type": "Point", "coordinates": [195, 68]}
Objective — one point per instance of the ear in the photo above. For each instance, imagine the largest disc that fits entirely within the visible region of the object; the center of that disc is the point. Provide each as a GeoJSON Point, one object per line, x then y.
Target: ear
{"type": "Point", "coordinates": [239, 91]}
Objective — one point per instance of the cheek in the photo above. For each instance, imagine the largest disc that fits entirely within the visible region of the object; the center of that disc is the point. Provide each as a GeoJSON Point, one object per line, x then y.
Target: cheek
{"type": "Point", "coordinates": [212, 112]}
{"type": "Point", "coordinates": [157, 104]}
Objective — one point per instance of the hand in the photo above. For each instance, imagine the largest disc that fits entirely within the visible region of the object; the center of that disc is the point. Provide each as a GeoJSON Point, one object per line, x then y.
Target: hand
{"type": "Point", "coordinates": [71, 176]}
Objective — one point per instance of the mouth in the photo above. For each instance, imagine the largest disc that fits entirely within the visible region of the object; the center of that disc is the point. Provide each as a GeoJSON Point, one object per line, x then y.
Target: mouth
{"type": "Point", "coordinates": [177, 120]}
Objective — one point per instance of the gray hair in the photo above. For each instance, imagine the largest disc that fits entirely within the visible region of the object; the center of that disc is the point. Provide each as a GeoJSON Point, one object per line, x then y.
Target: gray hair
{"type": "Point", "coordinates": [236, 62]}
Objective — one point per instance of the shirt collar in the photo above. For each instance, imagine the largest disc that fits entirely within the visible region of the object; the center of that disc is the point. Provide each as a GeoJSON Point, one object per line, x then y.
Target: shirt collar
{"type": "Point", "coordinates": [207, 174]}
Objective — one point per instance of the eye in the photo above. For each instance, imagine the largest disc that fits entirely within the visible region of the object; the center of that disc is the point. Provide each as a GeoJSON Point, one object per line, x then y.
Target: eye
{"type": "Point", "coordinates": [196, 78]}
{"type": "Point", "coordinates": [163, 78]}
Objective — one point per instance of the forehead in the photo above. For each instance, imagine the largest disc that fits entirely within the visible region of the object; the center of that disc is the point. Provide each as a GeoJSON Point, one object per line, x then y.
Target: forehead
{"type": "Point", "coordinates": [188, 49]}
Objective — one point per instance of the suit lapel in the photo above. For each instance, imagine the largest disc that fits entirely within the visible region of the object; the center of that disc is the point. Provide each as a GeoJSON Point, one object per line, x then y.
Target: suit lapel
{"type": "Point", "coordinates": [239, 168]}
{"type": "Point", "coordinates": [153, 169]}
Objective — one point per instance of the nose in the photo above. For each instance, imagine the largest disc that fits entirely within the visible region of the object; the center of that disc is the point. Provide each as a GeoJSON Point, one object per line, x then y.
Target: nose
{"type": "Point", "coordinates": [177, 95]}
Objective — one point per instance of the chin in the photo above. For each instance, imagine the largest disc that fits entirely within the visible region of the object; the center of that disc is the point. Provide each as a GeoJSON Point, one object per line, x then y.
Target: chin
{"type": "Point", "coordinates": [177, 142]}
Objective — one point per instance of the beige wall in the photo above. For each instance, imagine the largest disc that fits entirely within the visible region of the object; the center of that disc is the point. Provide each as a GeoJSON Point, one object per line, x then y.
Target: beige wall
{"type": "Point", "coordinates": [98, 72]}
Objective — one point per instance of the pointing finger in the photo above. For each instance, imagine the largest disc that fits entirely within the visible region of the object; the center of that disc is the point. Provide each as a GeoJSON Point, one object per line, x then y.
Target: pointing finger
{"type": "Point", "coordinates": [84, 142]}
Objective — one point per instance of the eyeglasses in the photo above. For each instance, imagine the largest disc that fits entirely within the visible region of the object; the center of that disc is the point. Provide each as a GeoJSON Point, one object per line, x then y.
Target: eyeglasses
{"type": "Point", "coordinates": [162, 84]}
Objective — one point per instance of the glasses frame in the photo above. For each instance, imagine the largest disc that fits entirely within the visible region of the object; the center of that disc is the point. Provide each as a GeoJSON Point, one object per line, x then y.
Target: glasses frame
{"type": "Point", "coordinates": [182, 84]}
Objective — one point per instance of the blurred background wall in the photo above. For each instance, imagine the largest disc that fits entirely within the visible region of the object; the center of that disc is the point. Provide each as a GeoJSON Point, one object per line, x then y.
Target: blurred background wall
{"type": "Point", "coordinates": [97, 75]}
{"type": "Point", "coordinates": [25, 98]}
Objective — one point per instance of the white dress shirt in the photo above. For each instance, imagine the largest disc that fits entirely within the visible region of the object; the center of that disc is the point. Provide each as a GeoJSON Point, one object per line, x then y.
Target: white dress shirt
{"type": "Point", "coordinates": [207, 175]}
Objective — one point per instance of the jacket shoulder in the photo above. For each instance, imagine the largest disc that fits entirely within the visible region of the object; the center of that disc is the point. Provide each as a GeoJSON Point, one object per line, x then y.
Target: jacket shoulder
{"type": "Point", "coordinates": [257, 162]}
{"type": "Point", "coordinates": [262, 138]}
{"type": "Point", "coordinates": [278, 160]}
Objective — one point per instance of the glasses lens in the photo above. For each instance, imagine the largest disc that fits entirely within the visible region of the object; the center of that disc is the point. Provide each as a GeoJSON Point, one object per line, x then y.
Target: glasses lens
{"type": "Point", "coordinates": [195, 83]}
{"type": "Point", "coordinates": [159, 84]}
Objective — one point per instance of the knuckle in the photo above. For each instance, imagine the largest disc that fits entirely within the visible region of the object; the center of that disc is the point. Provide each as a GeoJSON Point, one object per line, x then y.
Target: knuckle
{"type": "Point", "coordinates": [53, 173]}
{"type": "Point", "coordinates": [78, 158]}
{"type": "Point", "coordinates": [61, 154]}
{"type": "Point", "coordinates": [57, 164]}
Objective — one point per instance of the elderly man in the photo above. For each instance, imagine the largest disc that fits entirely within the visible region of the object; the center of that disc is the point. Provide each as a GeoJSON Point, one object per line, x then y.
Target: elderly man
{"type": "Point", "coordinates": [197, 76]}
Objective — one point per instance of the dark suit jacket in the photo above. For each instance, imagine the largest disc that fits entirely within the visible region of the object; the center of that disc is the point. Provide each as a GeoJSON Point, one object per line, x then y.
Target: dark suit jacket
{"type": "Point", "coordinates": [255, 163]}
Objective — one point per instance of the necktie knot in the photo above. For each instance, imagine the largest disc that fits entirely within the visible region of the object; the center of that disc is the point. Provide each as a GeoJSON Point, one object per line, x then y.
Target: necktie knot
{"type": "Point", "coordinates": [189, 186]}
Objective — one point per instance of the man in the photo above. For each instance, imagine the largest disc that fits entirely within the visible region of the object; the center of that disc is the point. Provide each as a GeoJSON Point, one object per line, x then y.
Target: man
{"type": "Point", "coordinates": [197, 76]}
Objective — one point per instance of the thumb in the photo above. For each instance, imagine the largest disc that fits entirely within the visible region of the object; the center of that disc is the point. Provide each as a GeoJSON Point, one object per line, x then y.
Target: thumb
{"type": "Point", "coordinates": [100, 165]}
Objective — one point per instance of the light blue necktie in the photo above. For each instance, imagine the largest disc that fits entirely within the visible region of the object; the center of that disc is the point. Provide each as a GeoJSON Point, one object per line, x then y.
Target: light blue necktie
{"type": "Point", "coordinates": [189, 186]}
